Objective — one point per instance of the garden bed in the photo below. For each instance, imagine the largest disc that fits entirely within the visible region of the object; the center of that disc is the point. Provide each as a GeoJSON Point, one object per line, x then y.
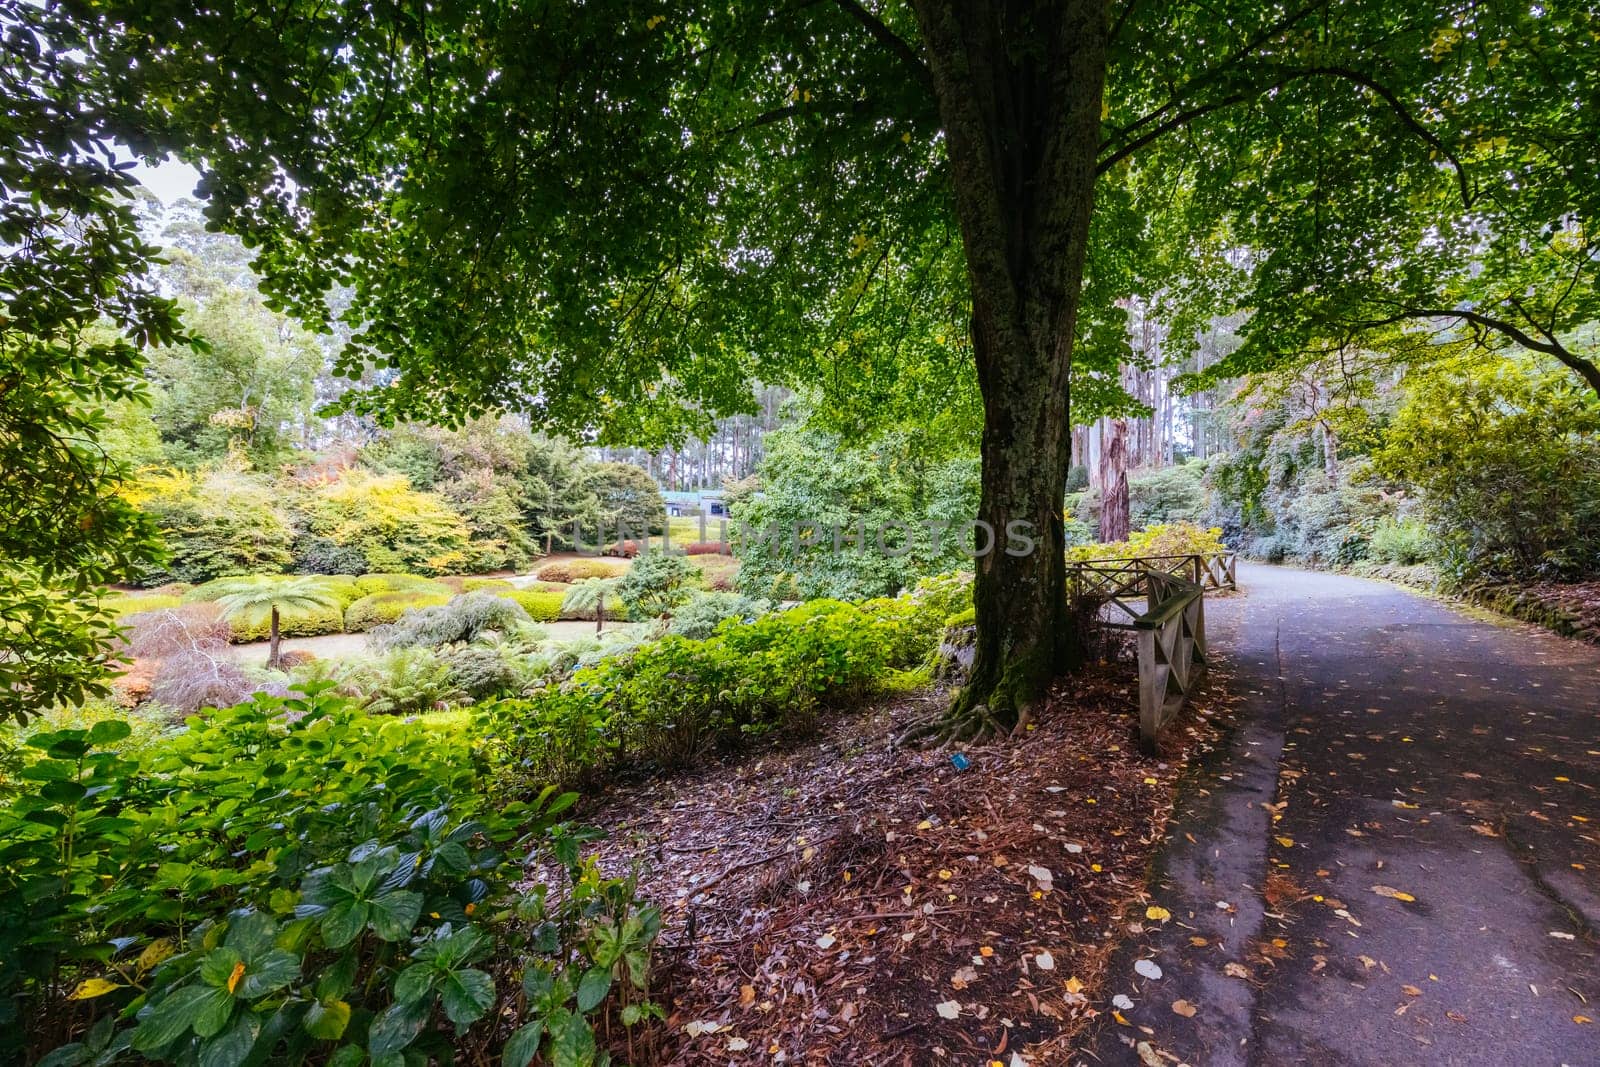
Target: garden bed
{"type": "Point", "coordinates": [849, 901]}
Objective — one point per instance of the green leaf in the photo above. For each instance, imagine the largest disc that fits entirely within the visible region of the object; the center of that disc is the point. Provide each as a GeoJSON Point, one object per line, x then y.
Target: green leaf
{"type": "Point", "coordinates": [230, 1048]}
{"type": "Point", "coordinates": [572, 1040]}
{"type": "Point", "coordinates": [466, 995]}
{"type": "Point", "coordinates": [397, 1027]}
{"type": "Point", "coordinates": [394, 914]}
{"type": "Point", "coordinates": [593, 987]}
{"type": "Point", "coordinates": [327, 1019]}
{"type": "Point", "coordinates": [523, 1045]}
{"type": "Point", "coordinates": [107, 731]}
{"type": "Point", "coordinates": [172, 1017]}
{"type": "Point", "coordinates": [251, 933]}
{"type": "Point", "coordinates": [343, 923]}
{"type": "Point", "coordinates": [415, 982]}
{"type": "Point", "coordinates": [269, 974]}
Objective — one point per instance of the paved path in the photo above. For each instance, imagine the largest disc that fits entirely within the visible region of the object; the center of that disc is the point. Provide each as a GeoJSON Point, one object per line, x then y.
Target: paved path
{"type": "Point", "coordinates": [1449, 760]}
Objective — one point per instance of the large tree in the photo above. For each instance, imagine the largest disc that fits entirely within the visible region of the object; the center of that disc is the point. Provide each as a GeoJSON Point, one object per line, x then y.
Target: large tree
{"type": "Point", "coordinates": [617, 214]}
{"type": "Point", "coordinates": [74, 312]}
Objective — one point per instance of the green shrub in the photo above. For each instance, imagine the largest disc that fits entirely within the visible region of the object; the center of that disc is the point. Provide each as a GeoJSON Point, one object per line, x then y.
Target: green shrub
{"type": "Point", "coordinates": [1506, 456]}
{"type": "Point", "coordinates": [473, 585]}
{"type": "Point", "coordinates": [668, 700]}
{"type": "Point", "coordinates": [655, 584]}
{"type": "Point", "coordinates": [255, 624]}
{"type": "Point", "coordinates": [1172, 539]}
{"type": "Point", "coordinates": [228, 894]}
{"type": "Point", "coordinates": [217, 522]}
{"type": "Point", "coordinates": [482, 672]}
{"type": "Point", "coordinates": [567, 571]}
{"type": "Point", "coordinates": [1402, 541]}
{"type": "Point", "coordinates": [700, 616]}
{"type": "Point", "coordinates": [400, 583]}
{"type": "Point", "coordinates": [380, 608]}
{"type": "Point", "coordinates": [406, 681]}
{"type": "Point", "coordinates": [393, 526]}
{"type": "Point", "coordinates": [541, 605]}
{"type": "Point", "coordinates": [461, 619]}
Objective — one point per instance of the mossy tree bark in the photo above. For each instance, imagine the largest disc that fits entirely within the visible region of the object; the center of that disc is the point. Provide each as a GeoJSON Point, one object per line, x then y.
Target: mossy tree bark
{"type": "Point", "coordinates": [1019, 86]}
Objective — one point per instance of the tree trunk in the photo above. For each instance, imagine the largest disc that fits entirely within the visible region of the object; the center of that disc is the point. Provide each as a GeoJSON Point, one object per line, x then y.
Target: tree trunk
{"type": "Point", "coordinates": [1114, 520]}
{"type": "Point", "coordinates": [273, 638]}
{"type": "Point", "coordinates": [1019, 85]}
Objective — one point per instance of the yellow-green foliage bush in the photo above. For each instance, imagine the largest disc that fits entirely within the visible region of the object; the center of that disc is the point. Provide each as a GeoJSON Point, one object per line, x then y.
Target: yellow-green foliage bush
{"type": "Point", "coordinates": [256, 625]}
{"type": "Point", "coordinates": [1165, 539]}
{"type": "Point", "coordinates": [495, 585]}
{"type": "Point", "coordinates": [132, 605]}
{"type": "Point", "coordinates": [542, 605]}
{"type": "Point", "coordinates": [393, 526]}
{"type": "Point", "coordinates": [399, 583]}
{"type": "Point", "coordinates": [217, 522]}
{"type": "Point", "coordinates": [380, 608]}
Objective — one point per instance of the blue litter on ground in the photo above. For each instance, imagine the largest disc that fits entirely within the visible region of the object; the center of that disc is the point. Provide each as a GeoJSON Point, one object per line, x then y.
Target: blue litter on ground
{"type": "Point", "coordinates": [960, 762]}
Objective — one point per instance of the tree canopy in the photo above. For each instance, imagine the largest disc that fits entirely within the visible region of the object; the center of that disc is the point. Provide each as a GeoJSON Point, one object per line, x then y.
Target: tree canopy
{"type": "Point", "coordinates": [616, 217]}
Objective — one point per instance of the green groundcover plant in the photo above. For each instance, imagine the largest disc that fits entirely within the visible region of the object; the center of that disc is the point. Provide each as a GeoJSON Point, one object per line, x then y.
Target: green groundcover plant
{"type": "Point", "coordinates": [295, 881]}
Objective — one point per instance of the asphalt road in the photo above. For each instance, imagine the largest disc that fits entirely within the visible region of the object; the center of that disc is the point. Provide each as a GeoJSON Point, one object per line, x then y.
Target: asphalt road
{"type": "Point", "coordinates": [1395, 861]}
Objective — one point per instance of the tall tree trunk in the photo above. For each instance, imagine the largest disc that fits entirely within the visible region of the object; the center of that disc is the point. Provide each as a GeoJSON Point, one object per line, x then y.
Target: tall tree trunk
{"type": "Point", "coordinates": [1114, 520]}
{"type": "Point", "coordinates": [1019, 87]}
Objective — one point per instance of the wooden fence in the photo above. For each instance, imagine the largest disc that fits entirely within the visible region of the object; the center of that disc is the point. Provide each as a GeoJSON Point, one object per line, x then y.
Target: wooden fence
{"type": "Point", "coordinates": [1170, 624]}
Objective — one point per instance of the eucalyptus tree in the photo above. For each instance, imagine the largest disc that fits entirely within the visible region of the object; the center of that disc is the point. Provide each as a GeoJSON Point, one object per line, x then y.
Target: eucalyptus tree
{"type": "Point", "coordinates": [616, 215]}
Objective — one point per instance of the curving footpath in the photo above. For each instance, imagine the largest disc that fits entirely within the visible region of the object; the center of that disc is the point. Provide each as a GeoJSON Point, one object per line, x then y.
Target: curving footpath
{"type": "Point", "coordinates": [1429, 891]}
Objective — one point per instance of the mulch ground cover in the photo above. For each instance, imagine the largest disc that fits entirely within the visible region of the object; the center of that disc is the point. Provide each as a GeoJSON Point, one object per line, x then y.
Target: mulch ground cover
{"type": "Point", "coordinates": [843, 900]}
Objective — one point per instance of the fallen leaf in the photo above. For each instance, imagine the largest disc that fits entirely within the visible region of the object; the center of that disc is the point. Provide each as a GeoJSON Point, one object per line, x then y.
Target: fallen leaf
{"type": "Point", "coordinates": [1044, 961]}
{"type": "Point", "coordinates": [1073, 985]}
{"type": "Point", "coordinates": [700, 1027]}
{"type": "Point", "coordinates": [1157, 913]}
{"type": "Point", "coordinates": [1411, 991]}
{"type": "Point", "coordinates": [1236, 970]}
{"type": "Point", "coordinates": [747, 995]}
{"type": "Point", "coordinates": [1392, 893]}
{"type": "Point", "coordinates": [1043, 876]}
{"type": "Point", "coordinates": [1183, 1008]}
{"type": "Point", "coordinates": [826, 941]}
{"type": "Point", "coordinates": [1148, 969]}
{"type": "Point", "coordinates": [1582, 1020]}
{"type": "Point", "coordinates": [737, 1044]}
{"type": "Point", "coordinates": [947, 1009]}
{"type": "Point", "coordinates": [1122, 1002]}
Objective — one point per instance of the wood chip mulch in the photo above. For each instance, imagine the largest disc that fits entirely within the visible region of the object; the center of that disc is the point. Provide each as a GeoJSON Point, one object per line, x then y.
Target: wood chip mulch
{"type": "Point", "coordinates": [845, 901]}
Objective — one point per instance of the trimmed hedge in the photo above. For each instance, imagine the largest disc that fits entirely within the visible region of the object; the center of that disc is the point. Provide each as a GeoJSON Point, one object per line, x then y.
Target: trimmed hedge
{"type": "Point", "coordinates": [567, 571]}
{"type": "Point", "coordinates": [540, 604]}
{"type": "Point", "coordinates": [299, 622]}
{"type": "Point", "coordinates": [378, 609]}
{"type": "Point", "coordinates": [708, 548]}
{"type": "Point", "coordinates": [133, 605]}
{"type": "Point", "coordinates": [379, 582]}
{"type": "Point", "coordinates": [493, 585]}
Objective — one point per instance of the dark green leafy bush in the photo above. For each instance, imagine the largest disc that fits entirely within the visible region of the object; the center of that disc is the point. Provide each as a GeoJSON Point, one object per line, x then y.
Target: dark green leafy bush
{"type": "Point", "coordinates": [669, 700]}
{"type": "Point", "coordinates": [294, 881]}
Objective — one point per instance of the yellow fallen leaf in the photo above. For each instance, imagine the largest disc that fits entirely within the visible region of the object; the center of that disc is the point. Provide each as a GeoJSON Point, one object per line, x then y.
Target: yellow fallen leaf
{"type": "Point", "coordinates": [924, 825]}
{"type": "Point", "coordinates": [1117, 1015]}
{"type": "Point", "coordinates": [945, 874]}
{"type": "Point", "coordinates": [1152, 781]}
{"type": "Point", "coordinates": [1582, 1020]}
{"type": "Point", "coordinates": [1157, 913]}
{"type": "Point", "coordinates": [1392, 893]}
{"type": "Point", "coordinates": [1286, 842]}
{"type": "Point", "coordinates": [90, 988]}
{"type": "Point", "coordinates": [1073, 985]}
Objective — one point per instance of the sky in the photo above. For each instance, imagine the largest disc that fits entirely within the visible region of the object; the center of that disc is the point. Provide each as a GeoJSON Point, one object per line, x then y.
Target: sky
{"type": "Point", "coordinates": [170, 181]}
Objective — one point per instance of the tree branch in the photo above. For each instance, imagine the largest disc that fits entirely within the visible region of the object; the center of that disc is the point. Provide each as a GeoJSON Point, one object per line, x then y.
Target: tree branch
{"type": "Point", "coordinates": [890, 40]}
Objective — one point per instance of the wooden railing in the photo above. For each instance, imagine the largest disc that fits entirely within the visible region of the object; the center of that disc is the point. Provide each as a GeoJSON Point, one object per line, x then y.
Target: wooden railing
{"type": "Point", "coordinates": [1170, 628]}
